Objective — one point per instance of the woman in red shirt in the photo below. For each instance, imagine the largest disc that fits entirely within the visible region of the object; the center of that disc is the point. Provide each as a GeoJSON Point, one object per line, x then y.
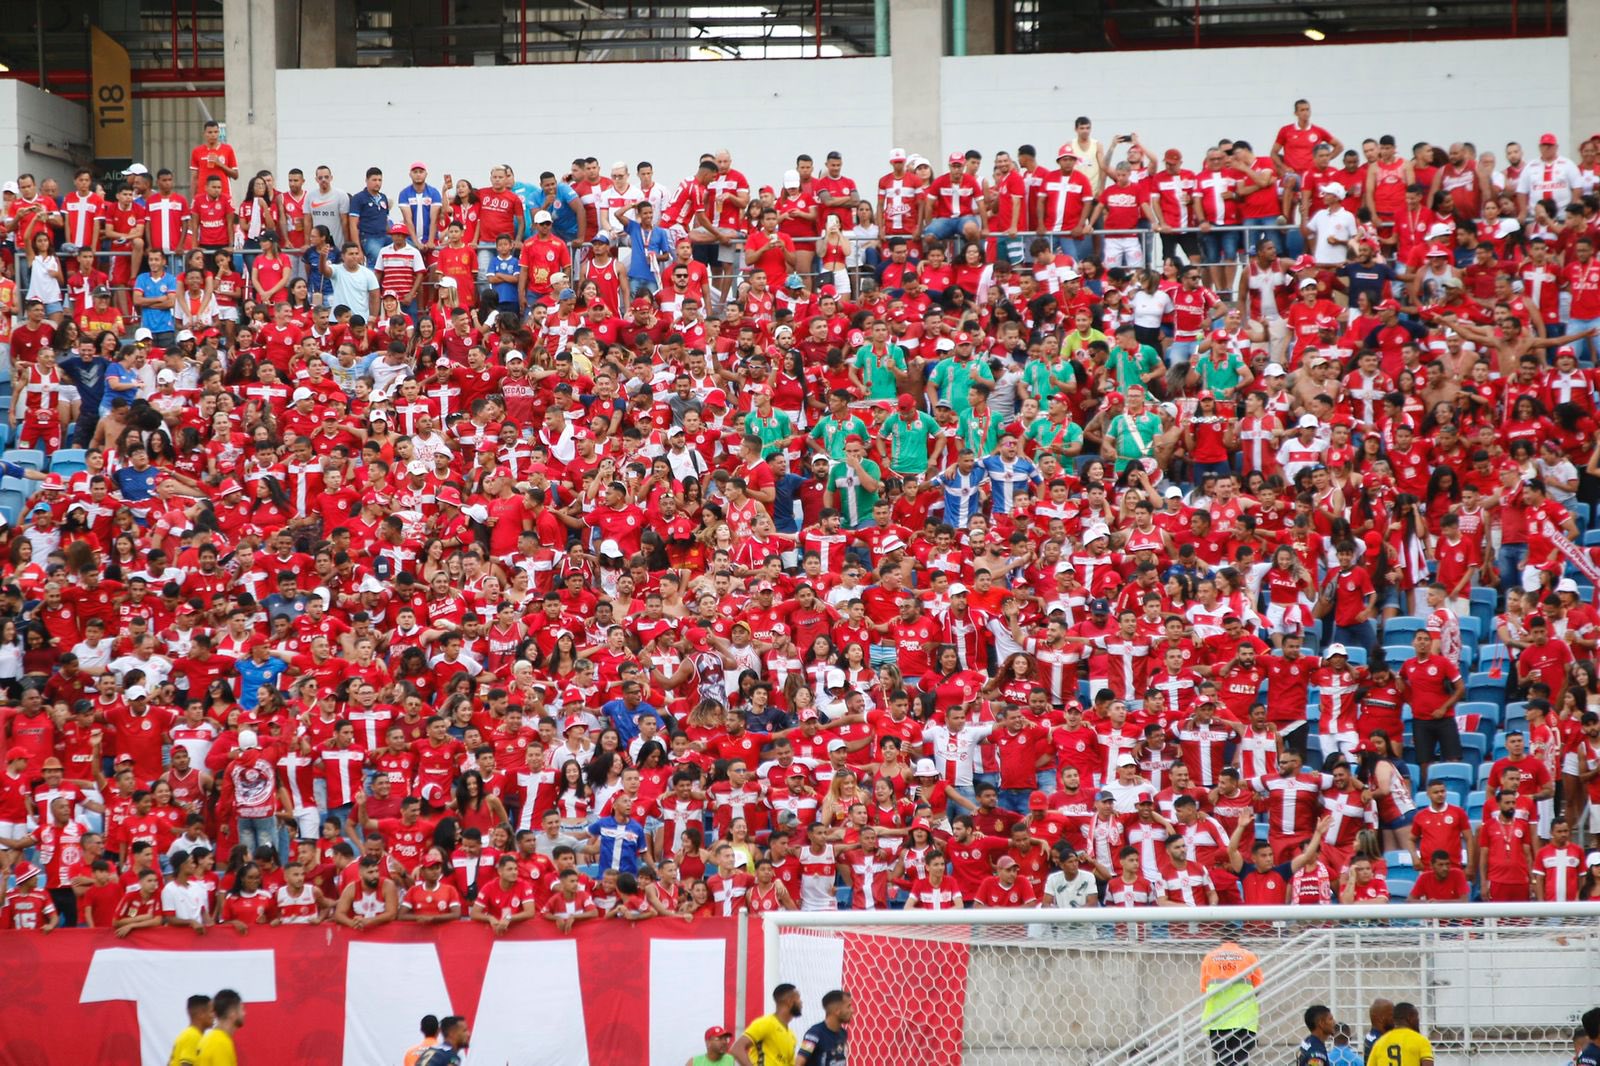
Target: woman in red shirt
{"type": "Point", "coordinates": [247, 903]}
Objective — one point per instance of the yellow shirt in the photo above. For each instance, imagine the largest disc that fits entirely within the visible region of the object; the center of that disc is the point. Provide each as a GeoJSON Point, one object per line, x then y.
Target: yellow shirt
{"type": "Point", "coordinates": [772, 1042]}
{"type": "Point", "coordinates": [1400, 1047]}
{"type": "Point", "coordinates": [216, 1049]}
{"type": "Point", "coordinates": [186, 1052]}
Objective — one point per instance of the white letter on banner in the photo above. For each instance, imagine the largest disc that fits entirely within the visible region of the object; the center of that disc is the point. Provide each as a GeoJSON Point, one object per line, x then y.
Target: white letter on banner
{"type": "Point", "coordinates": [158, 982]}
{"type": "Point", "coordinates": [681, 1006]}
{"type": "Point", "coordinates": [520, 971]}
{"type": "Point", "coordinates": [387, 988]}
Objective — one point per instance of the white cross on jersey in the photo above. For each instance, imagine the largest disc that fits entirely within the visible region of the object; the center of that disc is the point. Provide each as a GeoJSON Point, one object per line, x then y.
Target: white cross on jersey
{"type": "Point", "coordinates": [1124, 655]}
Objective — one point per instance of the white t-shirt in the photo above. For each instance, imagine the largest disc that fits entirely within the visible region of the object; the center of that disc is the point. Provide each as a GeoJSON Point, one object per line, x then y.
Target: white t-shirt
{"type": "Point", "coordinates": [1149, 308]}
{"type": "Point", "coordinates": [1070, 894]}
{"type": "Point", "coordinates": [350, 288]}
{"type": "Point", "coordinates": [186, 902]}
{"type": "Point", "coordinates": [1338, 224]}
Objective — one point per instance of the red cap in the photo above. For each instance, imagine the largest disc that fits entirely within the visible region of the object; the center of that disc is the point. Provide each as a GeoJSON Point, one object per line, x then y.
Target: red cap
{"type": "Point", "coordinates": [449, 495]}
{"type": "Point", "coordinates": [13, 754]}
{"type": "Point", "coordinates": [1548, 138]}
{"type": "Point", "coordinates": [907, 403]}
{"type": "Point", "coordinates": [1038, 801]}
{"type": "Point", "coordinates": [1390, 304]}
{"type": "Point", "coordinates": [1207, 394]}
{"type": "Point", "coordinates": [963, 338]}
{"type": "Point", "coordinates": [229, 487]}
{"type": "Point", "coordinates": [1305, 262]}
{"type": "Point", "coordinates": [419, 166]}
{"type": "Point", "coordinates": [1113, 398]}
{"type": "Point", "coordinates": [957, 158]}
{"type": "Point", "coordinates": [1219, 336]}
{"type": "Point", "coordinates": [573, 721]}
{"type": "Point", "coordinates": [1172, 155]}
{"type": "Point", "coordinates": [1065, 151]}
{"type": "Point", "coordinates": [396, 228]}
{"type": "Point", "coordinates": [717, 1032]}
{"type": "Point", "coordinates": [642, 304]}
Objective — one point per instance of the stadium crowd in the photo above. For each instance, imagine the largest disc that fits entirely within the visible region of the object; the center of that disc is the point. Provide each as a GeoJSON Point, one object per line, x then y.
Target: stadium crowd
{"type": "Point", "coordinates": [1072, 531]}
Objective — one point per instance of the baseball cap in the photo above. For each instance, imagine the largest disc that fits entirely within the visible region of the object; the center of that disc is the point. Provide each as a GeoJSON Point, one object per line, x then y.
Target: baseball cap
{"type": "Point", "coordinates": [540, 217]}
{"type": "Point", "coordinates": [1038, 801]}
{"type": "Point", "coordinates": [836, 745]}
{"type": "Point", "coordinates": [717, 1032]}
{"type": "Point", "coordinates": [183, 335]}
{"type": "Point", "coordinates": [248, 739]}
{"type": "Point", "coordinates": [924, 767]}
{"type": "Point", "coordinates": [1099, 606]}
{"type": "Point", "coordinates": [1172, 155]}
{"type": "Point", "coordinates": [1333, 188]}
{"type": "Point", "coordinates": [416, 466]}
{"type": "Point", "coordinates": [396, 228]}
{"type": "Point", "coordinates": [142, 334]}
{"type": "Point", "coordinates": [1104, 795]}
{"type": "Point", "coordinates": [1335, 649]}
{"type": "Point", "coordinates": [166, 377]}
{"type": "Point", "coordinates": [19, 752]}
{"type": "Point", "coordinates": [1005, 862]}
{"type": "Point", "coordinates": [1307, 422]}
{"type": "Point", "coordinates": [303, 393]}
{"type": "Point", "coordinates": [137, 692]}
{"type": "Point", "coordinates": [611, 549]}
{"type": "Point", "coordinates": [1126, 760]}
{"type": "Point", "coordinates": [1308, 283]}
{"type": "Point", "coordinates": [1548, 138]}
{"type": "Point", "coordinates": [897, 155]}
{"type": "Point", "coordinates": [140, 168]}
{"type": "Point", "coordinates": [834, 679]}
{"type": "Point", "coordinates": [957, 158]}
{"type": "Point", "coordinates": [957, 589]}
{"type": "Point", "coordinates": [1274, 370]}
{"type": "Point", "coordinates": [1173, 490]}
{"type": "Point", "coordinates": [791, 179]}
{"type": "Point", "coordinates": [1389, 305]}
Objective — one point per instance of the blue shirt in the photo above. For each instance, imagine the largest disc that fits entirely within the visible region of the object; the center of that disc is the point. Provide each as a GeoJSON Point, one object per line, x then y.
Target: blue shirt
{"type": "Point", "coordinates": [253, 675]}
{"type": "Point", "coordinates": [961, 494]}
{"type": "Point", "coordinates": [565, 217]}
{"type": "Point", "coordinates": [505, 292]}
{"type": "Point", "coordinates": [1006, 480]}
{"type": "Point", "coordinates": [88, 376]}
{"type": "Point", "coordinates": [824, 1047]}
{"type": "Point", "coordinates": [291, 607]}
{"type": "Point", "coordinates": [619, 844]}
{"type": "Point", "coordinates": [628, 723]}
{"type": "Point", "coordinates": [1312, 1052]}
{"type": "Point", "coordinates": [117, 372]}
{"type": "Point", "coordinates": [528, 194]}
{"type": "Point", "coordinates": [371, 212]}
{"type": "Point", "coordinates": [785, 513]}
{"type": "Point", "coordinates": [137, 485]}
{"type": "Point", "coordinates": [316, 281]}
{"type": "Point", "coordinates": [421, 208]}
{"type": "Point", "coordinates": [156, 320]}
{"type": "Point", "coordinates": [644, 247]}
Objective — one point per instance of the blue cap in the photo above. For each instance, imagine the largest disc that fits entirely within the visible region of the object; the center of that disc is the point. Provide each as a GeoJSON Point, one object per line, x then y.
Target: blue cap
{"type": "Point", "coordinates": [794, 281]}
{"type": "Point", "coordinates": [600, 238]}
{"type": "Point", "coordinates": [567, 294]}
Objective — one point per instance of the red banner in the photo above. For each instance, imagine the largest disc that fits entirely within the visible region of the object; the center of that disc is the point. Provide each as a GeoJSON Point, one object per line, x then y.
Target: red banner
{"type": "Point", "coordinates": [611, 992]}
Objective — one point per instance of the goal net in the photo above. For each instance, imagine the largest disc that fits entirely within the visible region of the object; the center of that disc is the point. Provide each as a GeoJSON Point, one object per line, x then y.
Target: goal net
{"type": "Point", "coordinates": [1497, 983]}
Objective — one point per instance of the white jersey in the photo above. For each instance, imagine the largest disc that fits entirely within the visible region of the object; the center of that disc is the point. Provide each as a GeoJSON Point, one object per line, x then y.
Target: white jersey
{"type": "Point", "coordinates": [953, 753]}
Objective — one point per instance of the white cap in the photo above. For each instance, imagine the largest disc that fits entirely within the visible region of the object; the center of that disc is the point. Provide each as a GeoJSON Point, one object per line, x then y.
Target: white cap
{"type": "Point", "coordinates": [10, 187]}
{"type": "Point", "coordinates": [1307, 422]}
{"type": "Point", "coordinates": [1439, 229]}
{"type": "Point", "coordinates": [184, 335]}
{"type": "Point", "coordinates": [166, 377]}
{"type": "Point", "coordinates": [1126, 760]}
{"type": "Point", "coordinates": [1567, 584]}
{"type": "Point", "coordinates": [1333, 188]}
{"type": "Point", "coordinates": [417, 466]}
{"type": "Point", "coordinates": [1274, 370]}
{"type": "Point", "coordinates": [1094, 533]}
{"type": "Point", "coordinates": [248, 739]}
{"type": "Point", "coordinates": [1173, 490]}
{"type": "Point", "coordinates": [837, 745]}
{"type": "Point", "coordinates": [958, 589]}
{"type": "Point", "coordinates": [142, 334]}
{"type": "Point", "coordinates": [370, 584]}
{"type": "Point", "coordinates": [834, 679]}
{"type": "Point", "coordinates": [1335, 649]}
{"type": "Point", "coordinates": [611, 548]}
{"type": "Point", "coordinates": [322, 593]}
{"type": "Point", "coordinates": [137, 692]}
{"type": "Point", "coordinates": [476, 511]}
{"type": "Point", "coordinates": [541, 216]}
{"type": "Point", "coordinates": [1593, 858]}
{"type": "Point", "coordinates": [925, 768]}
{"type": "Point", "coordinates": [137, 168]}
{"type": "Point", "coordinates": [303, 393]}
{"type": "Point", "coordinates": [791, 179]}
{"type": "Point", "coordinates": [447, 282]}
{"type": "Point", "coordinates": [1308, 283]}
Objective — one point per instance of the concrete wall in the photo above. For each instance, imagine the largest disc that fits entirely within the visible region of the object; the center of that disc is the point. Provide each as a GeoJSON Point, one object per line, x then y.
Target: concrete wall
{"type": "Point", "coordinates": [1438, 91]}
{"type": "Point", "coordinates": [26, 112]}
{"type": "Point", "coordinates": [537, 117]}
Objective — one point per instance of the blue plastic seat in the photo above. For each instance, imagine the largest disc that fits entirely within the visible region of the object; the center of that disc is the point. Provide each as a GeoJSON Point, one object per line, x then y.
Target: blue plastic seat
{"type": "Point", "coordinates": [1489, 690]}
{"type": "Point", "coordinates": [11, 505]}
{"type": "Point", "coordinates": [76, 456]}
{"type": "Point", "coordinates": [1474, 747]}
{"type": "Point", "coordinates": [1590, 537]}
{"type": "Point", "coordinates": [1358, 656]}
{"type": "Point", "coordinates": [1399, 630]}
{"type": "Point", "coordinates": [30, 457]}
{"type": "Point", "coordinates": [1484, 709]}
{"type": "Point", "coordinates": [1483, 773]}
{"type": "Point", "coordinates": [20, 485]}
{"type": "Point", "coordinates": [1475, 801]}
{"type": "Point", "coordinates": [1397, 859]}
{"type": "Point", "coordinates": [1399, 653]}
{"type": "Point", "coordinates": [1472, 630]}
{"type": "Point", "coordinates": [1460, 773]}
{"type": "Point", "coordinates": [1400, 886]}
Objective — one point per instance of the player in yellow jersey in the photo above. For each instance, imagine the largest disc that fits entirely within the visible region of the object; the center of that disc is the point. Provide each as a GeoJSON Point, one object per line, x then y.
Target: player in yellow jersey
{"type": "Point", "coordinates": [767, 1041]}
{"type": "Point", "coordinates": [186, 1051]}
{"type": "Point", "coordinates": [1403, 1045]}
{"type": "Point", "coordinates": [216, 1047]}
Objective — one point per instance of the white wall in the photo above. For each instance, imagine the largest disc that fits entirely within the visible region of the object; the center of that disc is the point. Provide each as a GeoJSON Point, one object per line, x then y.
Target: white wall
{"type": "Point", "coordinates": [1437, 91]}
{"type": "Point", "coordinates": [26, 112]}
{"type": "Point", "coordinates": [538, 117]}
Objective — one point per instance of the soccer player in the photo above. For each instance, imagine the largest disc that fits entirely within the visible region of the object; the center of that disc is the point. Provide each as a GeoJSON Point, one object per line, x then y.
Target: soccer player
{"type": "Point", "coordinates": [186, 1050]}
{"type": "Point", "coordinates": [769, 1036]}
{"type": "Point", "coordinates": [455, 1036]}
{"type": "Point", "coordinates": [1403, 1045]}
{"type": "Point", "coordinates": [824, 1043]}
{"type": "Point", "coordinates": [1314, 1048]}
{"type": "Point", "coordinates": [216, 1047]}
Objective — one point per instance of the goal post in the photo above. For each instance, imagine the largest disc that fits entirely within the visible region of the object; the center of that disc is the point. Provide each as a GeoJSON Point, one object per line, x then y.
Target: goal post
{"type": "Point", "coordinates": [1497, 983]}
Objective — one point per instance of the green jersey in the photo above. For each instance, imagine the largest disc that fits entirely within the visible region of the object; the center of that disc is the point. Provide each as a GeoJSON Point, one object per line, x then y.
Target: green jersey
{"type": "Point", "coordinates": [981, 432]}
{"type": "Point", "coordinates": [909, 438]}
{"type": "Point", "coordinates": [1129, 368]}
{"type": "Point", "coordinates": [1220, 377]}
{"type": "Point", "coordinates": [1046, 379]}
{"type": "Point", "coordinates": [833, 433]}
{"type": "Point", "coordinates": [952, 377]}
{"type": "Point", "coordinates": [1051, 436]}
{"type": "Point", "coordinates": [855, 502]}
{"type": "Point", "coordinates": [774, 432]}
{"type": "Point", "coordinates": [1134, 437]}
{"type": "Point", "coordinates": [879, 371]}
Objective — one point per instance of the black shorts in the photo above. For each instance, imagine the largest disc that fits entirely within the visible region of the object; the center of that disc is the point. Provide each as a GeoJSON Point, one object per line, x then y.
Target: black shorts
{"type": "Point", "coordinates": [705, 253]}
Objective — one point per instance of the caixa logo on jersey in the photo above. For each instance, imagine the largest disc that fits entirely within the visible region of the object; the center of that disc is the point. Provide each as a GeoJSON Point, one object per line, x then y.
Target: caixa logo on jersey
{"type": "Point", "coordinates": [601, 995]}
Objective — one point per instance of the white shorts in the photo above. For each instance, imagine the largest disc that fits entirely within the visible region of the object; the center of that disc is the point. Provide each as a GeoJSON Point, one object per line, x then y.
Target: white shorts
{"type": "Point", "coordinates": [228, 314]}
{"type": "Point", "coordinates": [1124, 252]}
{"type": "Point", "coordinates": [1343, 743]}
{"type": "Point", "coordinates": [308, 822]}
{"type": "Point", "coordinates": [12, 831]}
{"type": "Point", "coordinates": [68, 394]}
{"type": "Point", "coordinates": [1593, 820]}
